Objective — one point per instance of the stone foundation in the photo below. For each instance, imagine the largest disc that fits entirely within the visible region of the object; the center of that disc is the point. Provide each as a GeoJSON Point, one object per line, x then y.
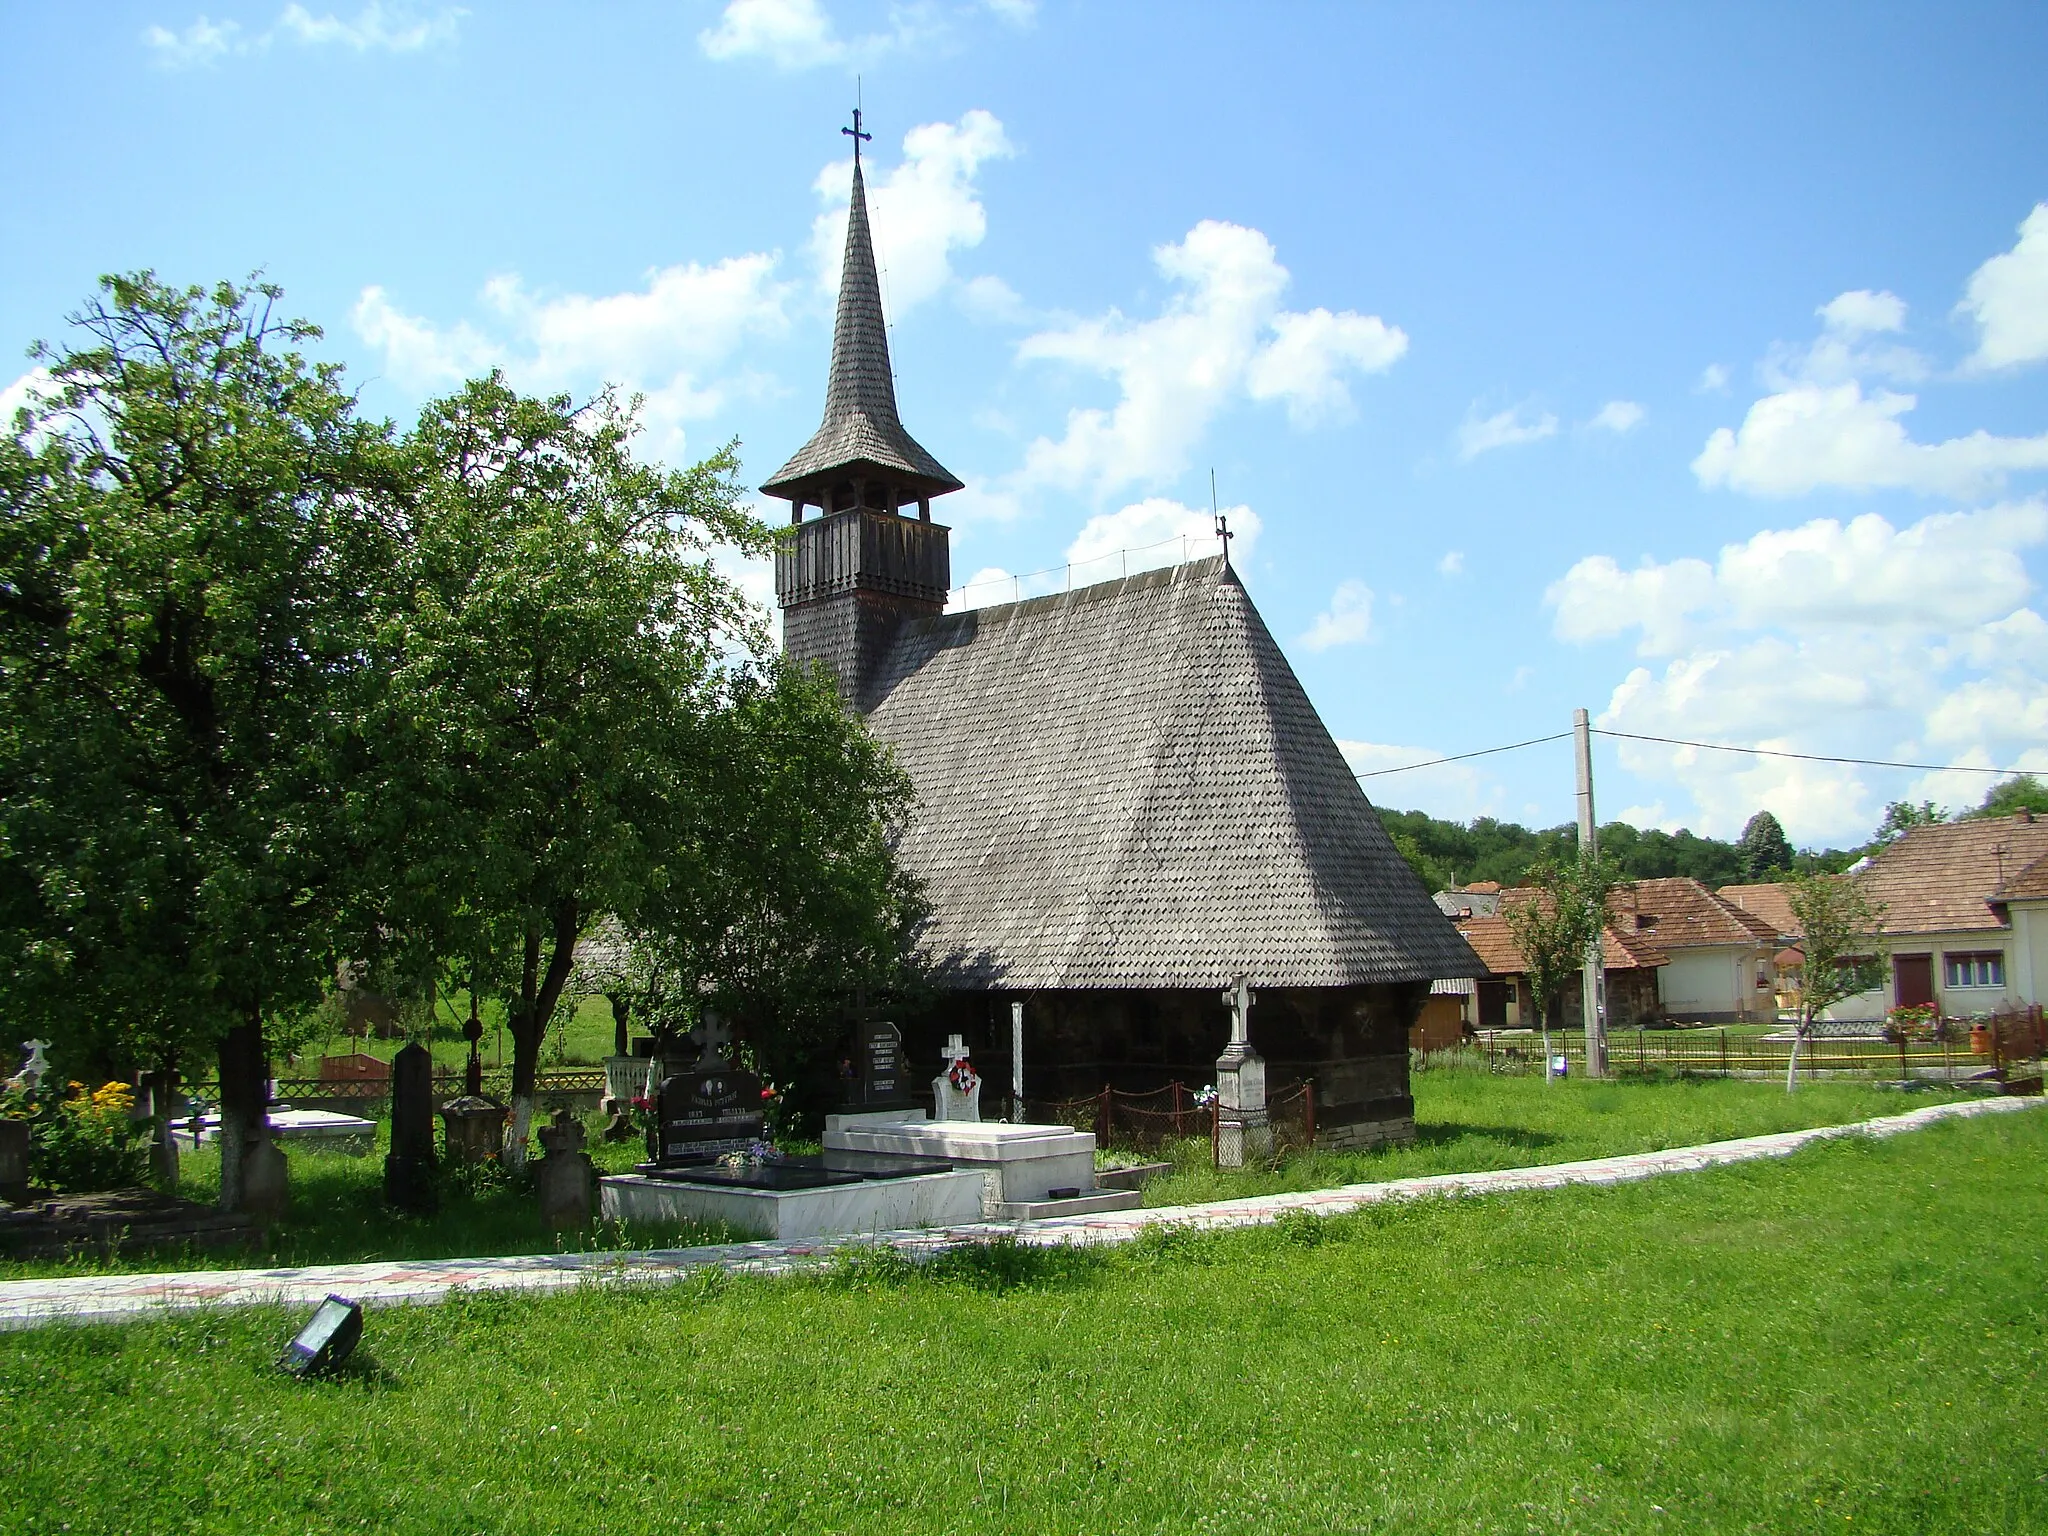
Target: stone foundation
{"type": "Point", "coordinates": [1370, 1133]}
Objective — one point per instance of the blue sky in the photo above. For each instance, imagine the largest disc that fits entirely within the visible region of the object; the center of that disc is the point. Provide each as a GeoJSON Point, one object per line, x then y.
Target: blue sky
{"type": "Point", "coordinates": [1689, 368]}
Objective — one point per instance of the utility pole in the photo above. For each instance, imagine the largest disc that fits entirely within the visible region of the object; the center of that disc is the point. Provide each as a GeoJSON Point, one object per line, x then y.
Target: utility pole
{"type": "Point", "coordinates": [1594, 978]}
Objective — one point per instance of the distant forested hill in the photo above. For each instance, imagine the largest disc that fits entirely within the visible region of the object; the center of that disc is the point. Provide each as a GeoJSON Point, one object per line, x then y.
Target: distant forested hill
{"type": "Point", "coordinates": [1446, 853]}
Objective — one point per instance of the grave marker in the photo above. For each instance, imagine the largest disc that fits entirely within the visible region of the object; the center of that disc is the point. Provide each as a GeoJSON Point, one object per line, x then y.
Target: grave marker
{"type": "Point", "coordinates": [409, 1168]}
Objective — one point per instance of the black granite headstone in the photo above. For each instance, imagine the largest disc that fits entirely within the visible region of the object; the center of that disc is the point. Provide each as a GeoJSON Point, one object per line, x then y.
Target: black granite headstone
{"type": "Point", "coordinates": [883, 1082]}
{"type": "Point", "coordinates": [409, 1168]}
{"type": "Point", "coordinates": [705, 1113]}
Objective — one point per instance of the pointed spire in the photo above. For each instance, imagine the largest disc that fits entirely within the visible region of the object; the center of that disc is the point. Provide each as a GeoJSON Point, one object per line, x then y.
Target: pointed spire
{"type": "Point", "coordinates": [861, 438]}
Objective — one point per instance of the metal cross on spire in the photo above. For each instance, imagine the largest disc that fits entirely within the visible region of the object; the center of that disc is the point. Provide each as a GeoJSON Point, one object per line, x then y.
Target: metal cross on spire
{"type": "Point", "coordinates": [1222, 523]}
{"type": "Point", "coordinates": [856, 135]}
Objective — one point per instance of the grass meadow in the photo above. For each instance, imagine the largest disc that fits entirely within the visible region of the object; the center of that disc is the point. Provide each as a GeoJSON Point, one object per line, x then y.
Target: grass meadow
{"type": "Point", "coordinates": [1466, 1120]}
{"type": "Point", "coordinates": [1852, 1339]}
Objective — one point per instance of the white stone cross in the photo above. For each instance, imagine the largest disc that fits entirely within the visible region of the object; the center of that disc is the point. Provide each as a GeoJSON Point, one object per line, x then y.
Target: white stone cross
{"type": "Point", "coordinates": [37, 1067]}
{"type": "Point", "coordinates": [956, 1048]}
{"type": "Point", "coordinates": [1238, 998]}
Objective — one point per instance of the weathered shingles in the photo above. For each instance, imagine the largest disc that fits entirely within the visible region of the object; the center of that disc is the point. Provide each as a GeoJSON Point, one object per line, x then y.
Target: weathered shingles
{"type": "Point", "coordinates": [1941, 878]}
{"type": "Point", "coordinates": [861, 425]}
{"type": "Point", "coordinates": [1127, 786]}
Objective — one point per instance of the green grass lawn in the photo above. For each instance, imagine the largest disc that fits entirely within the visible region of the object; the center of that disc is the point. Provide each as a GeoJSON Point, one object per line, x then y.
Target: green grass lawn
{"type": "Point", "coordinates": [583, 1035]}
{"type": "Point", "coordinates": [1466, 1121]}
{"type": "Point", "coordinates": [1852, 1339]}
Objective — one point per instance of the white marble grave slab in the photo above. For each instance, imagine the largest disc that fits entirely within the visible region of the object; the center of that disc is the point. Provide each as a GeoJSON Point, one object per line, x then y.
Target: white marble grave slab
{"type": "Point", "coordinates": [874, 1205]}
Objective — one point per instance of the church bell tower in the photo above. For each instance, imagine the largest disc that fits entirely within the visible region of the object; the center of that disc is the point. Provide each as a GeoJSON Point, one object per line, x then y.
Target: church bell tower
{"type": "Point", "coordinates": [871, 558]}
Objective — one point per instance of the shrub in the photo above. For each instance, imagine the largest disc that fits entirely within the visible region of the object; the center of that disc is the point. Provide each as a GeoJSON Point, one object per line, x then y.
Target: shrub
{"type": "Point", "coordinates": [80, 1141]}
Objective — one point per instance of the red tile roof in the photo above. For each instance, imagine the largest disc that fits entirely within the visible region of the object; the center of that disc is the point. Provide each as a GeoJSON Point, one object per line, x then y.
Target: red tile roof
{"type": "Point", "coordinates": [1772, 903]}
{"type": "Point", "coordinates": [1680, 913]}
{"type": "Point", "coordinates": [2030, 884]}
{"type": "Point", "coordinates": [1494, 942]}
{"type": "Point", "coordinates": [1940, 878]}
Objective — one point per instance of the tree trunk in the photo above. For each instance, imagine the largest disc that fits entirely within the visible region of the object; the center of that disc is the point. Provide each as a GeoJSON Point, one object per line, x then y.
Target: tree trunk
{"type": "Point", "coordinates": [244, 1101]}
{"type": "Point", "coordinates": [163, 1142]}
{"type": "Point", "coordinates": [1798, 1034]}
{"type": "Point", "coordinates": [539, 993]}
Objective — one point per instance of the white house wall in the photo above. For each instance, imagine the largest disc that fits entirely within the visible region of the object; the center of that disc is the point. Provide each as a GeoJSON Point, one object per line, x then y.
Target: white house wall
{"type": "Point", "coordinates": [1712, 981]}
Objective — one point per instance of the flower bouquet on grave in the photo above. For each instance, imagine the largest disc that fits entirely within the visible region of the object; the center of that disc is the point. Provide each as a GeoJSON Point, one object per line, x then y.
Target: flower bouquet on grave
{"type": "Point", "coordinates": [1205, 1096]}
{"type": "Point", "coordinates": [962, 1076]}
{"type": "Point", "coordinates": [755, 1154]}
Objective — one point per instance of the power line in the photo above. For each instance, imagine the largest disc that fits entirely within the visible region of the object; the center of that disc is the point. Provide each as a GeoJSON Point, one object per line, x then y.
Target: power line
{"type": "Point", "coordinates": [1808, 757]}
{"type": "Point", "coordinates": [1459, 757]}
{"type": "Point", "coordinates": [1705, 746]}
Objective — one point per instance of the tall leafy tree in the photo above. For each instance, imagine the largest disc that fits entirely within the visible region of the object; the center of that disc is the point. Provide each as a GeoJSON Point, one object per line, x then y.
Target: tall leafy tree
{"type": "Point", "coordinates": [786, 903]}
{"type": "Point", "coordinates": [555, 649]}
{"type": "Point", "coordinates": [1556, 926]}
{"type": "Point", "coordinates": [2022, 792]}
{"type": "Point", "coordinates": [1901, 816]}
{"type": "Point", "coordinates": [1764, 849]}
{"type": "Point", "coordinates": [190, 525]}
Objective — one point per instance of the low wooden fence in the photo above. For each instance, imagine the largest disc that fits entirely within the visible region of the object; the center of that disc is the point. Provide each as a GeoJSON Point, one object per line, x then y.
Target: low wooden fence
{"type": "Point", "coordinates": [574, 1087]}
{"type": "Point", "coordinates": [2007, 1044]}
{"type": "Point", "coordinates": [1146, 1122]}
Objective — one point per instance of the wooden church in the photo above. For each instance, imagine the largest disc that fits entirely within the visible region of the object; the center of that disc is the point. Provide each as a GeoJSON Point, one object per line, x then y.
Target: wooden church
{"type": "Point", "coordinates": [1125, 799]}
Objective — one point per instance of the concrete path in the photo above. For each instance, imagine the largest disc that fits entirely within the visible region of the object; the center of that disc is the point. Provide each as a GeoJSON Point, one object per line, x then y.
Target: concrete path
{"type": "Point", "coordinates": [119, 1298]}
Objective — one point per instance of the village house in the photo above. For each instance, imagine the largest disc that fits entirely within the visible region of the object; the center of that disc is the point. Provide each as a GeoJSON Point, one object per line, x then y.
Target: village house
{"type": "Point", "coordinates": [1673, 949]}
{"type": "Point", "coordinates": [1963, 904]}
{"type": "Point", "coordinates": [1503, 999]}
{"type": "Point", "coordinates": [1124, 797]}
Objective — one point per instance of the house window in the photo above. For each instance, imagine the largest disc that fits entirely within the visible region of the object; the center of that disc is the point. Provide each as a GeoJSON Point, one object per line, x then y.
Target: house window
{"type": "Point", "coordinates": [1763, 975]}
{"type": "Point", "coordinates": [1985, 970]}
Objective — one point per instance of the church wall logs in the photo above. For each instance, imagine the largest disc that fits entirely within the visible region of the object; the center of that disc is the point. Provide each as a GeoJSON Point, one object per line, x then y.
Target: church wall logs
{"type": "Point", "coordinates": [1351, 1042]}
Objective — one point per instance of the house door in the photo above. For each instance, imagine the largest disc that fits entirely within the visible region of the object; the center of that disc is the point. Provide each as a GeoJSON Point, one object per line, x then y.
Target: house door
{"type": "Point", "coordinates": [1914, 977]}
{"type": "Point", "coordinates": [1493, 1005]}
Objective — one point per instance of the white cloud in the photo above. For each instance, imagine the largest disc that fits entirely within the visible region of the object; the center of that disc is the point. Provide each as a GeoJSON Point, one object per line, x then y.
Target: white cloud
{"type": "Point", "coordinates": [1862, 312]}
{"type": "Point", "coordinates": [1945, 574]}
{"type": "Point", "coordinates": [984, 589]}
{"type": "Point", "coordinates": [2008, 298]}
{"type": "Point", "coordinates": [1347, 621]}
{"type": "Point", "coordinates": [1506, 429]}
{"type": "Point", "coordinates": [1156, 532]}
{"type": "Point", "coordinates": [1713, 379]}
{"type": "Point", "coordinates": [204, 42]}
{"type": "Point", "coordinates": [1814, 435]}
{"type": "Point", "coordinates": [1853, 639]}
{"type": "Point", "coordinates": [396, 29]}
{"type": "Point", "coordinates": [798, 34]}
{"type": "Point", "coordinates": [790, 34]}
{"type": "Point", "coordinates": [1452, 564]}
{"type": "Point", "coordinates": [920, 212]}
{"type": "Point", "coordinates": [1221, 334]}
{"type": "Point", "coordinates": [988, 298]}
{"type": "Point", "coordinates": [1306, 361]}
{"type": "Point", "coordinates": [1618, 417]}
{"type": "Point", "coordinates": [1018, 13]}
{"type": "Point", "coordinates": [667, 340]}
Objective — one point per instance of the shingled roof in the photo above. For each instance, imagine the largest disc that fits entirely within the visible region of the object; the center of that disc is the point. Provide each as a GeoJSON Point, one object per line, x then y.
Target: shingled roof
{"type": "Point", "coordinates": [861, 434]}
{"type": "Point", "coordinates": [1493, 940]}
{"type": "Point", "coordinates": [1125, 786]}
{"type": "Point", "coordinates": [1942, 878]}
{"type": "Point", "coordinates": [1678, 912]}
{"type": "Point", "coordinates": [2030, 884]}
{"type": "Point", "coordinates": [1769, 900]}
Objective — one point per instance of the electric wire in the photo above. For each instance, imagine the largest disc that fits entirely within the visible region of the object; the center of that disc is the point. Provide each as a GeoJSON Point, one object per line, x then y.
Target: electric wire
{"type": "Point", "coordinates": [1704, 746]}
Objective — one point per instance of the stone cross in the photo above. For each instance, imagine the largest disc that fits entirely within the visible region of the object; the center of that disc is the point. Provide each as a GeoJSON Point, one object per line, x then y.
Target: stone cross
{"type": "Point", "coordinates": [948, 1101]}
{"type": "Point", "coordinates": [1239, 999]}
{"type": "Point", "coordinates": [37, 1067]}
{"type": "Point", "coordinates": [711, 1037]}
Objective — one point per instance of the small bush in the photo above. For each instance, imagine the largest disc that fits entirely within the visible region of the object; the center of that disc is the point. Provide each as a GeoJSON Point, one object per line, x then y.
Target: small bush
{"type": "Point", "coordinates": [80, 1142]}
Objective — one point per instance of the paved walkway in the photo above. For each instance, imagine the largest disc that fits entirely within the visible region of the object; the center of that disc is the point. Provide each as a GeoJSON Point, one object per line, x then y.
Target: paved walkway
{"type": "Point", "coordinates": [118, 1298]}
